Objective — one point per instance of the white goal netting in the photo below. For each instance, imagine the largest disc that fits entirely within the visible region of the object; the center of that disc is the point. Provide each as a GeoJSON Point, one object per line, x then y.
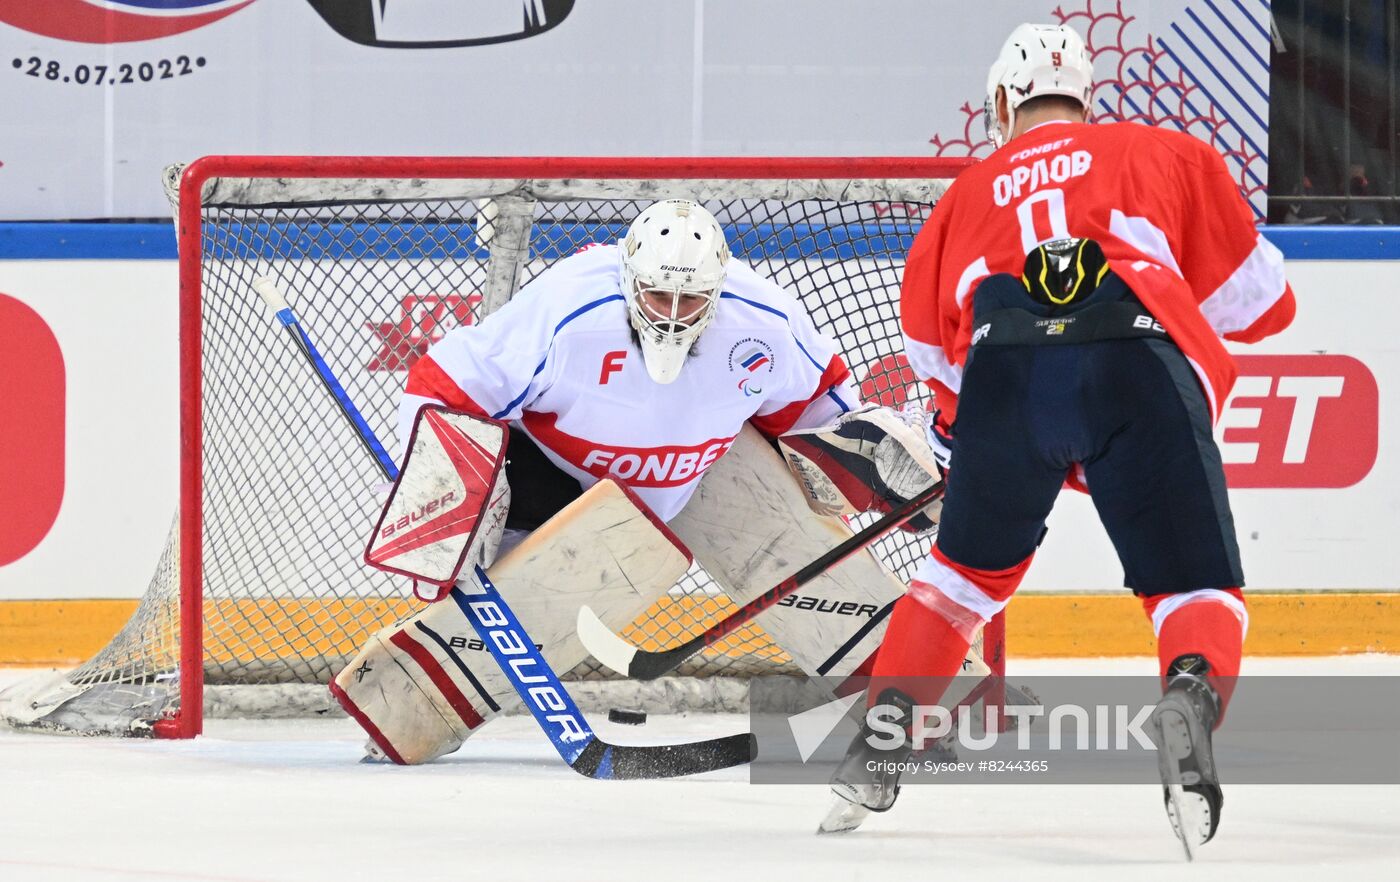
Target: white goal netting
{"type": "Point", "coordinates": [378, 263]}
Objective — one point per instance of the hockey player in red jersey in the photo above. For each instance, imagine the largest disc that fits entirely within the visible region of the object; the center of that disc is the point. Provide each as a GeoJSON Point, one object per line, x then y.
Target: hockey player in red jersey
{"type": "Point", "coordinates": [1067, 301]}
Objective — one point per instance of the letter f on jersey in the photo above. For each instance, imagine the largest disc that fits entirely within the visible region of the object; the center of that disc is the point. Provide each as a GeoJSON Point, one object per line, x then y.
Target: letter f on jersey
{"type": "Point", "coordinates": [612, 363]}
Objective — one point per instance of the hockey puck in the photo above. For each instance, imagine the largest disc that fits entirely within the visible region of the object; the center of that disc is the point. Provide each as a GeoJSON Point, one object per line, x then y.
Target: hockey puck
{"type": "Point", "coordinates": [627, 717]}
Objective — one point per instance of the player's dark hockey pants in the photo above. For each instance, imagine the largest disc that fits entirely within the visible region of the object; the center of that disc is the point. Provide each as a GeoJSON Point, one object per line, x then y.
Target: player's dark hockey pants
{"type": "Point", "coordinates": [1131, 413]}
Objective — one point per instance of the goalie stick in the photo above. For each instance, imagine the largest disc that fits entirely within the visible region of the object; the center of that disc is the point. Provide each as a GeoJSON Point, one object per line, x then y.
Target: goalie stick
{"type": "Point", "coordinates": [561, 719]}
{"type": "Point", "coordinates": [625, 658]}
{"type": "Point", "coordinates": [489, 614]}
{"type": "Point", "coordinates": [272, 295]}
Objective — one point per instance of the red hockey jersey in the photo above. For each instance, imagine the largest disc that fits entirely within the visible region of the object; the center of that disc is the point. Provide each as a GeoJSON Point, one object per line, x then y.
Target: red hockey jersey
{"type": "Point", "coordinates": [1170, 219]}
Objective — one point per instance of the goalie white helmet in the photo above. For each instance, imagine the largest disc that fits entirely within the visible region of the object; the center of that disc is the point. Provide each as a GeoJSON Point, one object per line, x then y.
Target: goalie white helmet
{"type": "Point", "coordinates": [1035, 61]}
{"type": "Point", "coordinates": [674, 258]}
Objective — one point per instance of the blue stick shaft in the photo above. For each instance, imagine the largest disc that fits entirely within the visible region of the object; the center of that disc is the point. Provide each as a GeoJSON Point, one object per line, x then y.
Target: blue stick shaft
{"type": "Point", "coordinates": [342, 399]}
{"type": "Point", "coordinates": [509, 644]}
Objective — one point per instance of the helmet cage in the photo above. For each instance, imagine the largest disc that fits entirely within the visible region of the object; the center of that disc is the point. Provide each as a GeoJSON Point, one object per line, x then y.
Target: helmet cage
{"type": "Point", "coordinates": [657, 264]}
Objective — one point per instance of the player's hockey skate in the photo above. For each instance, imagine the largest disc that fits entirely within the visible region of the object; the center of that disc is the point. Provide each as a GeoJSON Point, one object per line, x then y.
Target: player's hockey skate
{"type": "Point", "coordinates": [860, 791]}
{"type": "Point", "coordinates": [867, 780]}
{"type": "Point", "coordinates": [1181, 728]}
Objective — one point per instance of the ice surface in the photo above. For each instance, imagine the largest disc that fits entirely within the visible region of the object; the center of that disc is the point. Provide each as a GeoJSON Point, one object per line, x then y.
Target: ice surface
{"type": "Point", "coordinates": [288, 800]}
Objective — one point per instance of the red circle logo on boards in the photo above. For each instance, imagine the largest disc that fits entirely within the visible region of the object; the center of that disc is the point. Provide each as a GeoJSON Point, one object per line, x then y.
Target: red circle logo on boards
{"type": "Point", "coordinates": [114, 21]}
{"type": "Point", "coordinates": [32, 411]}
{"type": "Point", "coordinates": [390, 24]}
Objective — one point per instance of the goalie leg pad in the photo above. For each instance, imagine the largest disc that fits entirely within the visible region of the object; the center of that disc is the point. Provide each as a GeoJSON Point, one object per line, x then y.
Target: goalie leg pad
{"type": "Point", "coordinates": [835, 622]}
{"type": "Point", "coordinates": [410, 696]}
{"type": "Point", "coordinates": [430, 682]}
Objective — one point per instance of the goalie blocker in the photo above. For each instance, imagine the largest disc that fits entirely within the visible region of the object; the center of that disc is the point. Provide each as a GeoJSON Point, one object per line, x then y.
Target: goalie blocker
{"type": "Point", "coordinates": [448, 508]}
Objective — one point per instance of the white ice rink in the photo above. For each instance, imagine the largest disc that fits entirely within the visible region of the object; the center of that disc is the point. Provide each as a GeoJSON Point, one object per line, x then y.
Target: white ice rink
{"type": "Point", "coordinates": [281, 801]}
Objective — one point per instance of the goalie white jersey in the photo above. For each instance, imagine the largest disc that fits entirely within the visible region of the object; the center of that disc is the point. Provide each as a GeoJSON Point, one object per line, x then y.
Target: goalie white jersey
{"type": "Point", "coordinates": [559, 362]}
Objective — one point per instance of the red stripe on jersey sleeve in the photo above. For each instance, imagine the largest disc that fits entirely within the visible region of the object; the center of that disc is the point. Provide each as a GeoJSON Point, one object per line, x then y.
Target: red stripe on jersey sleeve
{"type": "Point", "coordinates": [427, 378]}
{"type": "Point", "coordinates": [780, 421]}
{"type": "Point", "coordinates": [1278, 317]}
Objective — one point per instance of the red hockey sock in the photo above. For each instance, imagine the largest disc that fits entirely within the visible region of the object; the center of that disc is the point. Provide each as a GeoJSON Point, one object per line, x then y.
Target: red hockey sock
{"type": "Point", "coordinates": [1209, 627]}
{"type": "Point", "coordinates": [919, 643]}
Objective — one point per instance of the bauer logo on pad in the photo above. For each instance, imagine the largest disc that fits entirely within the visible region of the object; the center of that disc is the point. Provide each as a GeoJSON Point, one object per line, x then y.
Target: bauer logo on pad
{"type": "Point", "coordinates": [435, 509]}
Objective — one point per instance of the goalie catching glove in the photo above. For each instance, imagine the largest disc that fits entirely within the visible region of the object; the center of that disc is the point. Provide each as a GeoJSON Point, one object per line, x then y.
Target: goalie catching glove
{"type": "Point", "coordinates": [873, 459]}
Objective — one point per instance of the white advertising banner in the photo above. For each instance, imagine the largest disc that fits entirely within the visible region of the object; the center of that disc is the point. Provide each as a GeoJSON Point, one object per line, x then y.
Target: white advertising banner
{"type": "Point", "coordinates": [101, 94]}
{"type": "Point", "coordinates": [1311, 453]}
{"type": "Point", "coordinates": [95, 454]}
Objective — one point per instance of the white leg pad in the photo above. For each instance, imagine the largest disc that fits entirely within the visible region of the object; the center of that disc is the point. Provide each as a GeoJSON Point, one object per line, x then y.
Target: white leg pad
{"type": "Point", "coordinates": [422, 687]}
{"type": "Point", "coordinates": [750, 526]}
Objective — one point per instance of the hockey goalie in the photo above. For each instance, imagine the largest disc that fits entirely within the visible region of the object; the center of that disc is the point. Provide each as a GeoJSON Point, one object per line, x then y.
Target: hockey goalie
{"type": "Point", "coordinates": [620, 417]}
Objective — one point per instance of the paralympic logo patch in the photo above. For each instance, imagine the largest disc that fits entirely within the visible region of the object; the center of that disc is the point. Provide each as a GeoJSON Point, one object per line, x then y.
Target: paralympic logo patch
{"type": "Point", "coordinates": [115, 21]}
{"type": "Point", "coordinates": [751, 359]}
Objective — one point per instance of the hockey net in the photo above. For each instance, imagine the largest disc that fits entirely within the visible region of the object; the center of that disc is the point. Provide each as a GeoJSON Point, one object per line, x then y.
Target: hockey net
{"type": "Point", "coordinates": [262, 581]}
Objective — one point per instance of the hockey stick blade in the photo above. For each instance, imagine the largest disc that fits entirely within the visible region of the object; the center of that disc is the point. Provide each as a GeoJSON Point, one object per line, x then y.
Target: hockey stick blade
{"type": "Point", "coordinates": [635, 762]}
{"type": "Point", "coordinates": [625, 658]}
{"type": "Point", "coordinates": [563, 723]}
{"type": "Point", "coordinates": [591, 757]}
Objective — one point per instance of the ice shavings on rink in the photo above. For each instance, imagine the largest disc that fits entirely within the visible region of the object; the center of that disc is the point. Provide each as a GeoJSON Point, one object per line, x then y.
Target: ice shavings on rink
{"type": "Point", "coordinates": [288, 800]}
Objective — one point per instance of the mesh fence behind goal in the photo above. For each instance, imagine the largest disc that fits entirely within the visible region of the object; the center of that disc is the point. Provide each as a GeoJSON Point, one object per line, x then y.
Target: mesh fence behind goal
{"type": "Point", "coordinates": [379, 258]}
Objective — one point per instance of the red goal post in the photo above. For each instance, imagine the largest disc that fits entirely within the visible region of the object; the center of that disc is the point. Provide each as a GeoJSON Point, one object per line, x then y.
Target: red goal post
{"type": "Point", "coordinates": [261, 582]}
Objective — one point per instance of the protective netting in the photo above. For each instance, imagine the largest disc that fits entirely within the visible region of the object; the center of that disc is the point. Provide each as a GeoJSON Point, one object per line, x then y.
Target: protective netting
{"type": "Point", "coordinates": [376, 271]}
